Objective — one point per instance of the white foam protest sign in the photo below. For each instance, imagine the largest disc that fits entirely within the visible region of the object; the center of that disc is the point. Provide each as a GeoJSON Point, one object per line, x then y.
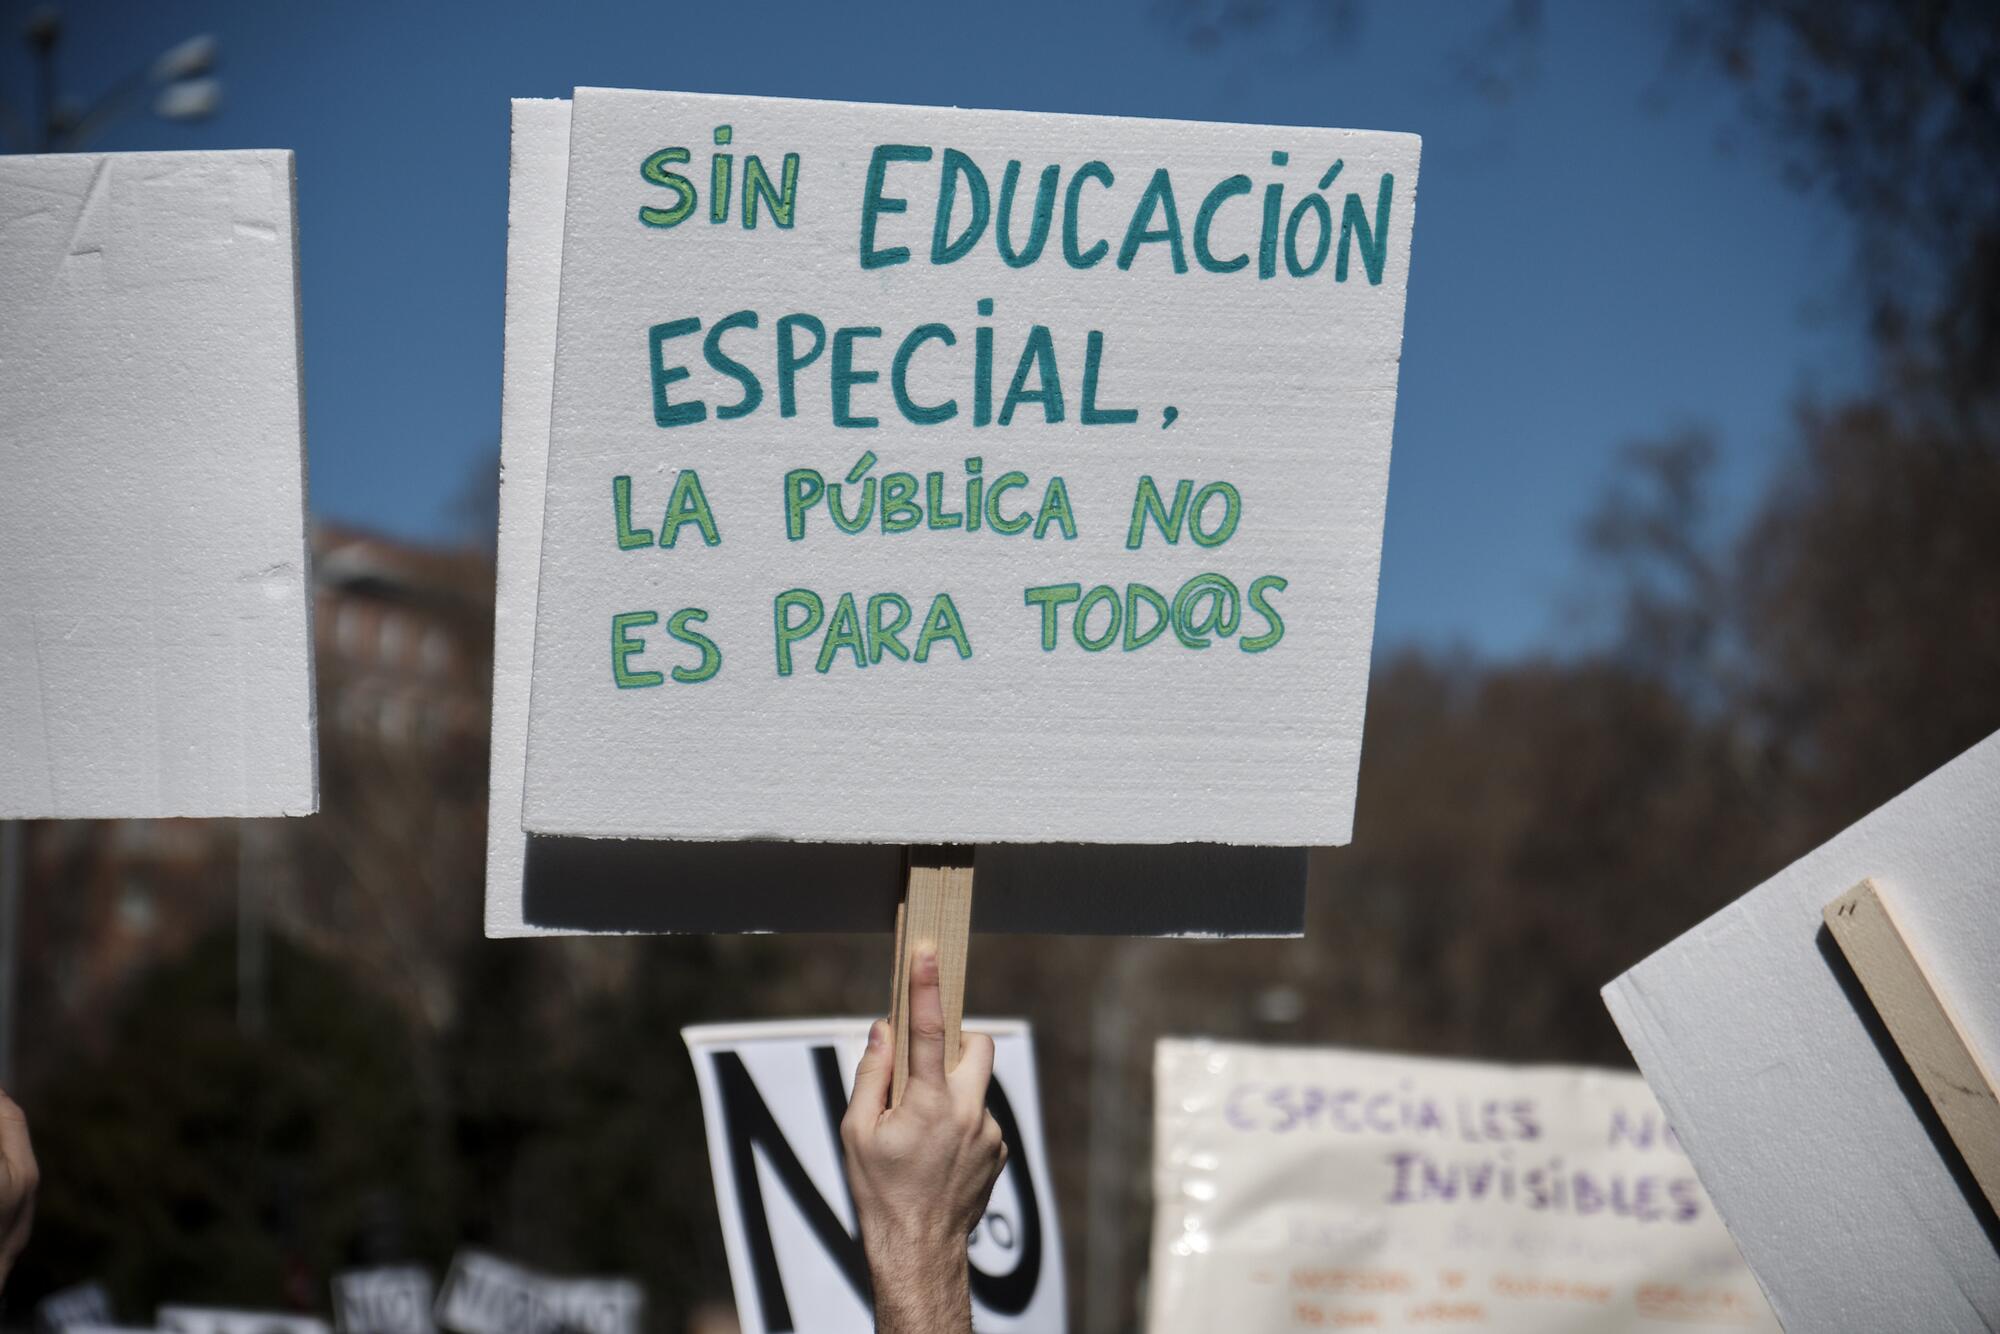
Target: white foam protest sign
{"type": "Point", "coordinates": [1822, 1152]}
{"type": "Point", "coordinates": [82, 1304]}
{"type": "Point", "coordinates": [772, 1096]}
{"type": "Point", "coordinates": [392, 1299]}
{"type": "Point", "coordinates": [544, 884]}
{"type": "Point", "coordinates": [538, 169]}
{"type": "Point", "coordinates": [214, 1320]}
{"type": "Point", "coordinates": [1319, 1188]}
{"type": "Point", "coordinates": [154, 624]}
{"type": "Point", "coordinates": [484, 1294]}
{"type": "Point", "coordinates": [926, 475]}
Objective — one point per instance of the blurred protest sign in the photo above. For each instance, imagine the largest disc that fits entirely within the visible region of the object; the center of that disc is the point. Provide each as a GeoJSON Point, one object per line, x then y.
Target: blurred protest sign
{"type": "Point", "coordinates": [213, 1320]}
{"type": "Point", "coordinates": [772, 1096]}
{"type": "Point", "coordinates": [483, 1294]}
{"type": "Point", "coordinates": [1306, 1188]}
{"type": "Point", "coordinates": [80, 1304]}
{"type": "Point", "coordinates": [389, 1300]}
{"type": "Point", "coordinates": [541, 883]}
{"type": "Point", "coordinates": [1790, 1094]}
{"type": "Point", "coordinates": [921, 475]}
{"type": "Point", "coordinates": [154, 645]}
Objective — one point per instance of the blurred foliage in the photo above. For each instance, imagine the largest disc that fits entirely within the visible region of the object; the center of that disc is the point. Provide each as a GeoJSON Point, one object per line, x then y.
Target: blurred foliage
{"type": "Point", "coordinates": [1889, 106]}
{"type": "Point", "coordinates": [1525, 830]}
{"type": "Point", "coordinates": [183, 1140]}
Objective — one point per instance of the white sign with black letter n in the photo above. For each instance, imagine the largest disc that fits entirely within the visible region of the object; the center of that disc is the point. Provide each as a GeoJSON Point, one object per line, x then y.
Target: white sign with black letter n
{"type": "Point", "coordinates": [772, 1096]}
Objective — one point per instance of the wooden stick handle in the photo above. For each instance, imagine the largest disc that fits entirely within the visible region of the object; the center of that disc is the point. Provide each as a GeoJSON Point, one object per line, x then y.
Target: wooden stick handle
{"type": "Point", "coordinates": [1919, 1019]}
{"type": "Point", "coordinates": [936, 910]}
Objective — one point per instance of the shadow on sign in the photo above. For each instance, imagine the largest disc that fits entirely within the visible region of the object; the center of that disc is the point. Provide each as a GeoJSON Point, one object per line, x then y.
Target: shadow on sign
{"type": "Point", "coordinates": [1200, 889]}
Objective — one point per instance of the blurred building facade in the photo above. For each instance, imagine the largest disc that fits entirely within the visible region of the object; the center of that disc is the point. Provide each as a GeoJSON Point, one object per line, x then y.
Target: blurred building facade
{"type": "Point", "coordinates": [404, 651]}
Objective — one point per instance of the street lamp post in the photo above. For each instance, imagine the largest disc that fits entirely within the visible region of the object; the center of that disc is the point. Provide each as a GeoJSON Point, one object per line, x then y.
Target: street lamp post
{"type": "Point", "coordinates": [181, 78]}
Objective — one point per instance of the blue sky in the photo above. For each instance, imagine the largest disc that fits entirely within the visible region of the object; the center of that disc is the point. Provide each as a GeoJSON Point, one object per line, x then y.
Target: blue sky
{"type": "Point", "coordinates": [1605, 255]}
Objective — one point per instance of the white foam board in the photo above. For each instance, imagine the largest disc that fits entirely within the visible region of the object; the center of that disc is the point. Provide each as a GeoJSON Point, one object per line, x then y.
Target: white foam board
{"type": "Point", "coordinates": [1282, 387]}
{"type": "Point", "coordinates": [1786, 1093]}
{"type": "Point", "coordinates": [541, 885]}
{"type": "Point", "coordinates": [538, 165]}
{"type": "Point", "coordinates": [155, 625]}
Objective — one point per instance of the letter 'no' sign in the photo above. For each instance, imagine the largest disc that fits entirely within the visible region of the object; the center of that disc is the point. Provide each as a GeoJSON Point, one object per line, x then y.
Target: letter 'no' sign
{"type": "Point", "coordinates": [772, 1096]}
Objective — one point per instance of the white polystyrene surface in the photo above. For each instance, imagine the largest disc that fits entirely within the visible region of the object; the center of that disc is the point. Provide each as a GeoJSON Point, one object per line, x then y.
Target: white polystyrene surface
{"type": "Point", "coordinates": [537, 167]}
{"type": "Point", "coordinates": [1285, 388]}
{"type": "Point", "coordinates": [1814, 1153]}
{"type": "Point", "coordinates": [155, 629]}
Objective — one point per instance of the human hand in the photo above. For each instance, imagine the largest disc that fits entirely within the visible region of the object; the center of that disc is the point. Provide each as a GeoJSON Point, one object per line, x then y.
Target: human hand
{"type": "Point", "coordinates": [19, 1179]}
{"type": "Point", "coordinates": [922, 1172]}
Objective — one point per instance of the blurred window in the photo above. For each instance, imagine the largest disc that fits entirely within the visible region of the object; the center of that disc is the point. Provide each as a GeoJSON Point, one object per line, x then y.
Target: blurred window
{"type": "Point", "coordinates": [434, 651]}
{"type": "Point", "coordinates": [395, 718]}
{"type": "Point", "coordinates": [392, 640]}
{"type": "Point", "coordinates": [135, 906]}
{"type": "Point", "coordinates": [347, 628]}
